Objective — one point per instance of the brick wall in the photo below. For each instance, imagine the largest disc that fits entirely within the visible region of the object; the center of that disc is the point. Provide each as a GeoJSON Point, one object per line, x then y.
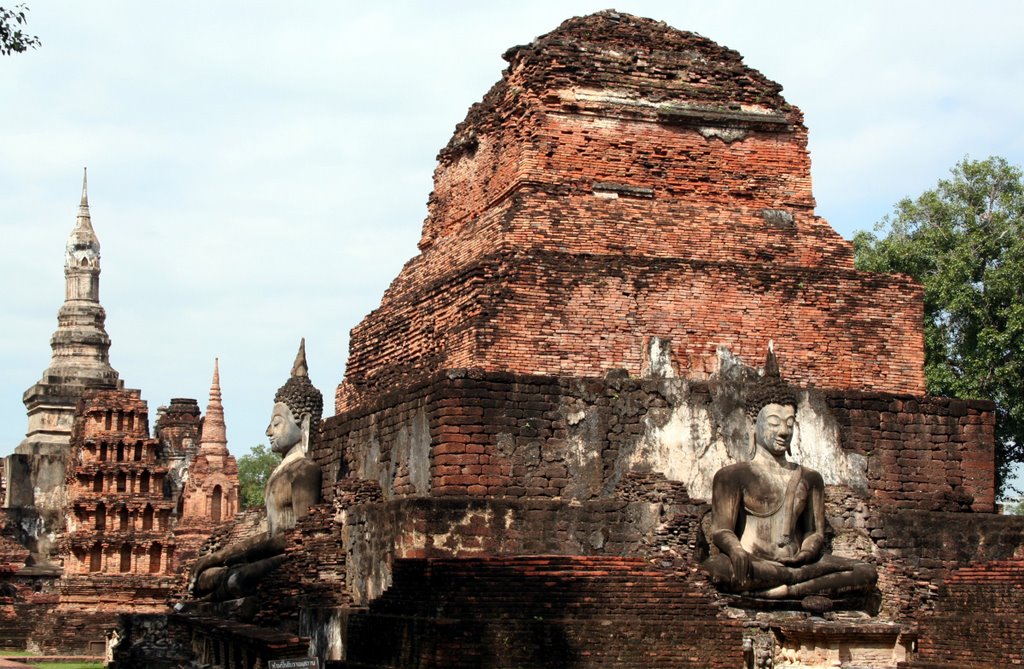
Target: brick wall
{"type": "Point", "coordinates": [543, 611]}
{"type": "Point", "coordinates": [551, 313]}
{"type": "Point", "coordinates": [931, 453]}
{"type": "Point", "coordinates": [918, 550]}
{"type": "Point", "coordinates": [976, 620]}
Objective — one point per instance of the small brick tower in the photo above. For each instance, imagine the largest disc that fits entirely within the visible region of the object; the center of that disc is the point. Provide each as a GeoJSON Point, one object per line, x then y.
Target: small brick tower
{"type": "Point", "coordinates": [211, 491]}
{"type": "Point", "coordinates": [119, 514]}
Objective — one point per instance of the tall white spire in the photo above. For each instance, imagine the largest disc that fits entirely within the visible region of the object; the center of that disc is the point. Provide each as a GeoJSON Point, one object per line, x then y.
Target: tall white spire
{"type": "Point", "coordinates": [80, 345]}
{"type": "Point", "coordinates": [82, 256]}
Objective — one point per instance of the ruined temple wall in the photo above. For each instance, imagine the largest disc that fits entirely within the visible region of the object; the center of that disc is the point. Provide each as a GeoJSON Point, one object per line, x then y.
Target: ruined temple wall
{"type": "Point", "coordinates": [497, 434]}
{"type": "Point", "coordinates": [652, 189]}
{"type": "Point", "coordinates": [917, 551]}
{"type": "Point", "coordinates": [379, 535]}
{"type": "Point", "coordinates": [926, 453]}
{"type": "Point", "coordinates": [387, 557]}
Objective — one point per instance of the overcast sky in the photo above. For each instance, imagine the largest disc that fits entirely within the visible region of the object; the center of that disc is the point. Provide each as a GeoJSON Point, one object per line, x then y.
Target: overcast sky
{"type": "Point", "coordinates": [258, 171]}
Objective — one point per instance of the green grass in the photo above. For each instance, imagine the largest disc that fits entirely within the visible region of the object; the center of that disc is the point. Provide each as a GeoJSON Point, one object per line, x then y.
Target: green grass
{"type": "Point", "coordinates": [51, 665]}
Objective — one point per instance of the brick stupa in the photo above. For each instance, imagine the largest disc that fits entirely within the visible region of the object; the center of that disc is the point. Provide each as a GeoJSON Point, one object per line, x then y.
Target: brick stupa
{"type": "Point", "coordinates": [626, 180]}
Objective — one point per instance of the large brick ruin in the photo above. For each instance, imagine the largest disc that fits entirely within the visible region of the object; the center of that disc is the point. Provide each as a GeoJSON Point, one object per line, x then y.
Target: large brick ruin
{"type": "Point", "coordinates": [518, 473]}
{"type": "Point", "coordinates": [625, 181]}
{"type": "Point", "coordinates": [98, 517]}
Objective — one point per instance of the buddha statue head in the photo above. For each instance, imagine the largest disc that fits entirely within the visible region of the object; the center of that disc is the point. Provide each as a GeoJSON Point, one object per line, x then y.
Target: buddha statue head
{"type": "Point", "coordinates": [298, 406]}
{"type": "Point", "coordinates": [771, 412]}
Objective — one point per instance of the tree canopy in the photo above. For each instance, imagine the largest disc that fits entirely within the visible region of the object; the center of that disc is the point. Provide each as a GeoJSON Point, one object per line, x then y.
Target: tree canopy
{"type": "Point", "coordinates": [254, 469]}
{"type": "Point", "coordinates": [12, 38]}
{"type": "Point", "coordinates": [964, 241]}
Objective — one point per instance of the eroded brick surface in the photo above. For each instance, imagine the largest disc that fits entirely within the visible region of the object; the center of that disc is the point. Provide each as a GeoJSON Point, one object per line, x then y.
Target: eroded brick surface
{"type": "Point", "coordinates": [543, 611]}
{"type": "Point", "coordinates": [603, 194]}
{"type": "Point", "coordinates": [976, 620]}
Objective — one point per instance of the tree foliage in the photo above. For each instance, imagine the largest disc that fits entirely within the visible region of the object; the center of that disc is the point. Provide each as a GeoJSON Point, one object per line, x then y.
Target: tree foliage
{"type": "Point", "coordinates": [12, 38]}
{"type": "Point", "coordinates": [254, 469]}
{"type": "Point", "coordinates": [964, 241]}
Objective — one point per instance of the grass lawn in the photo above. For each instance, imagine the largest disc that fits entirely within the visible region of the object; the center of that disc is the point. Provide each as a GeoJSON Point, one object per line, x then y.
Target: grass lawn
{"type": "Point", "coordinates": [51, 665]}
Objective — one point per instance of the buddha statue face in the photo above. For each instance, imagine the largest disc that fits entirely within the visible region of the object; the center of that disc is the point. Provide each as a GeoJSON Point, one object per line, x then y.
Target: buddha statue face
{"type": "Point", "coordinates": [774, 429]}
{"type": "Point", "coordinates": [284, 431]}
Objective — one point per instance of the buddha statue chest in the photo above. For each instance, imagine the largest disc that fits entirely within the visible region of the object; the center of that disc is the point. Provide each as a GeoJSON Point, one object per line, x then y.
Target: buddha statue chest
{"type": "Point", "coordinates": [770, 521]}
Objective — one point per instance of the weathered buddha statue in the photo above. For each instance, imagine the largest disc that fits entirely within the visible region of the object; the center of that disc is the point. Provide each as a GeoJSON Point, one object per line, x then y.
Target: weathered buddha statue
{"type": "Point", "coordinates": [292, 488]}
{"type": "Point", "coordinates": [768, 515]}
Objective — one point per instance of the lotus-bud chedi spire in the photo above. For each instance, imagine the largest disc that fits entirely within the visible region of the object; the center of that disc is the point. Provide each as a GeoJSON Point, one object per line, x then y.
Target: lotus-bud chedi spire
{"type": "Point", "coordinates": [82, 256]}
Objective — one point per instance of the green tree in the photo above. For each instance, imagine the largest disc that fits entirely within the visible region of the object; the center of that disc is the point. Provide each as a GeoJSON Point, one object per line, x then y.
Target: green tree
{"type": "Point", "coordinates": [12, 38]}
{"type": "Point", "coordinates": [253, 471]}
{"type": "Point", "coordinates": [963, 240]}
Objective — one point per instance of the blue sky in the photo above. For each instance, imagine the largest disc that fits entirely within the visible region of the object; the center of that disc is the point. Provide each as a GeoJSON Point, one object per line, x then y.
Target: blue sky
{"type": "Point", "coordinates": [258, 171]}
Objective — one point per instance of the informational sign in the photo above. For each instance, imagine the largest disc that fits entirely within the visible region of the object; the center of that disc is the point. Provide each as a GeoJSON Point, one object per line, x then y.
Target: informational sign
{"type": "Point", "coordinates": [294, 663]}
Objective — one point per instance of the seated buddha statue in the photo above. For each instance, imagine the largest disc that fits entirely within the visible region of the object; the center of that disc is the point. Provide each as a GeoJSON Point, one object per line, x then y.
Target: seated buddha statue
{"type": "Point", "coordinates": [768, 516]}
{"type": "Point", "coordinates": [291, 489]}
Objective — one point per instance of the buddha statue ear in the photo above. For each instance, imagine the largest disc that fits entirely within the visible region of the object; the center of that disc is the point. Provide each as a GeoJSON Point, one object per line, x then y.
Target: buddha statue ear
{"type": "Point", "coordinates": [752, 431]}
{"type": "Point", "coordinates": [304, 423]}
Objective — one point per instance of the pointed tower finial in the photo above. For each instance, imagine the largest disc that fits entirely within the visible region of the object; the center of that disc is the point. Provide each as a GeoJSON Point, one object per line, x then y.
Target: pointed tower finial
{"type": "Point", "coordinates": [82, 255]}
{"type": "Point", "coordinates": [299, 368]}
{"type": "Point", "coordinates": [215, 384]}
{"type": "Point", "coordinates": [84, 220]}
{"type": "Point", "coordinates": [214, 431]}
